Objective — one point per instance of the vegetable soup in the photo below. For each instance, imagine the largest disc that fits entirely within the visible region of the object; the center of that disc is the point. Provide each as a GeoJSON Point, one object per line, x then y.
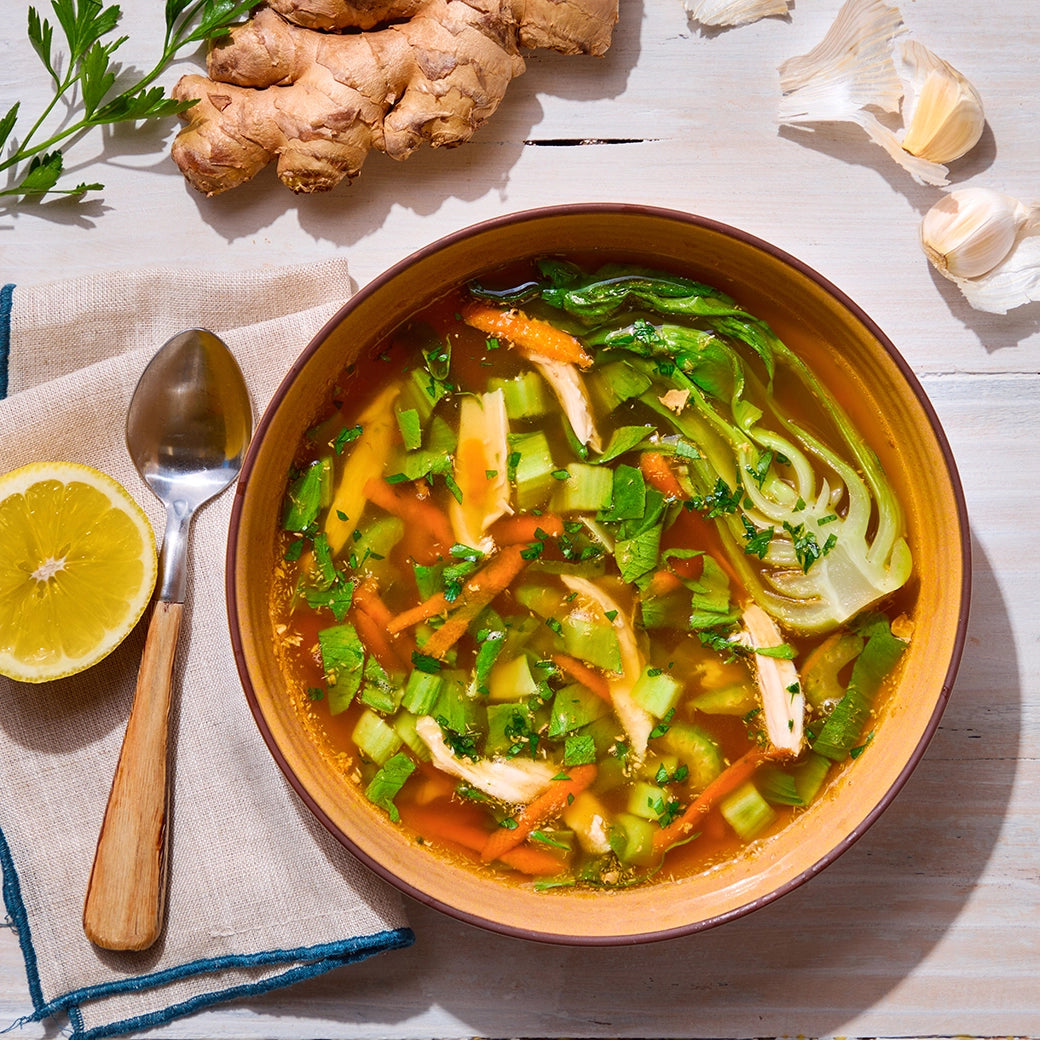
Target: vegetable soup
{"type": "Point", "coordinates": [587, 579]}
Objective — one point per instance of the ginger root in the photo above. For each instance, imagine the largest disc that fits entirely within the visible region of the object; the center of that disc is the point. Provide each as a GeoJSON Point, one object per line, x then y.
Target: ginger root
{"type": "Point", "coordinates": [299, 83]}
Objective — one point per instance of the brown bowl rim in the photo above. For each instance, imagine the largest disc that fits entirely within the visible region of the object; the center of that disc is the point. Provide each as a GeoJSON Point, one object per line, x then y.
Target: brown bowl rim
{"type": "Point", "coordinates": [604, 209]}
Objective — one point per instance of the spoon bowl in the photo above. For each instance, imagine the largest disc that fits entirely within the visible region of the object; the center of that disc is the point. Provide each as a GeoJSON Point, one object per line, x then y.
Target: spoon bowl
{"type": "Point", "coordinates": [188, 426]}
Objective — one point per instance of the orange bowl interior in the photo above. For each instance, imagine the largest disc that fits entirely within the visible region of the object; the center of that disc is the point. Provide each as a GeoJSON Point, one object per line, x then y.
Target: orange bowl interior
{"type": "Point", "coordinates": [885, 401]}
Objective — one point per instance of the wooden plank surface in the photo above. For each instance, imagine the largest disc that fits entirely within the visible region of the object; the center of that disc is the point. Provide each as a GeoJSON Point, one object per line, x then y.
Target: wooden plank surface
{"type": "Point", "coordinates": [929, 925]}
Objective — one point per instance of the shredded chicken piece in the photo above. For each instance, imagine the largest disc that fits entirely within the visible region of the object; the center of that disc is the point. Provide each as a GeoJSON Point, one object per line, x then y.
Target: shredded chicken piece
{"type": "Point", "coordinates": [783, 702]}
{"type": "Point", "coordinates": [514, 781]}
{"type": "Point", "coordinates": [569, 388]}
{"type": "Point", "coordinates": [636, 721]}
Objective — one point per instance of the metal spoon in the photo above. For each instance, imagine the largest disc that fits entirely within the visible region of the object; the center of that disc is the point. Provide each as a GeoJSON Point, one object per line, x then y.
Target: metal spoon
{"type": "Point", "coordinates": [187, 429]}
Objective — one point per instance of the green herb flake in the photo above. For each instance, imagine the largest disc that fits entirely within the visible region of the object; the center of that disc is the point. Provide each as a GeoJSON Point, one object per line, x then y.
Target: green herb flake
{"type": "Point", "coordinates": [425, 663]}
{"type": "Point", "coordinates": [345, 437]}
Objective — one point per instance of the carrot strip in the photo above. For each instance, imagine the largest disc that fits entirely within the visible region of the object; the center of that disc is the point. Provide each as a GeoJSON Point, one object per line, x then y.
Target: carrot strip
{"type": "Point", "coordinates": [371, 619]}
{"type": "Point", "coordinates": [726, 782]}
{"type": "Point", "coordinates": [533, 861]}
{"type": "Point", "coordinates": [531, 336]}
{"type": "Point", "coordinates": [420, 514]}
{"type": "Point", "coordinates": [445, 824]}
{"type": "Point", "coordinates": [436, 604]}
{"type": "Point", "coordinates": [549, 804]}
{"type": "Point", "coordinates": [366, 597]}
{"type": "Point", "coordinates": [580, 672]}
{"type": "Point", "coordinates": [477, 593]}
{"type": "Point", "coordinates": [376, 642]}
{"type": "Point", "coordinates": [516, 530]}
{"type": "Point", "coordinates": [658, 474]}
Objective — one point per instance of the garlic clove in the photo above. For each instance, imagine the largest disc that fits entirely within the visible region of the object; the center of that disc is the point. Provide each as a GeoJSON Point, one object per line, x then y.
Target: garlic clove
{"type": "Point", "coordinates": [968, 232]}
{"type": "Point", "coordinates": [854, 72]}
{"type": "Point", "coordinates": [942, 111]}
{"type": "Point", "coordinates": [988, 244]}
{"type": "Point", "coordinates": [733, 12]}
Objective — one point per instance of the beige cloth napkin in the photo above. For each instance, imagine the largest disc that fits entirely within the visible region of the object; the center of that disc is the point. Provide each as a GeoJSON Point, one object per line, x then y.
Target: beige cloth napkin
{"type": "Point", "coordinates": [260, 895]}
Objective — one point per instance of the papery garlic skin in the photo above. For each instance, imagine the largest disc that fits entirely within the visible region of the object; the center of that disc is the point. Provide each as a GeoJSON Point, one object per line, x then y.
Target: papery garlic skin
{"type": "Point", "coordinates": [734, 12]}
{"type": "Point", "coordinates": [968, 232]}
{"type": "Point", "coordinates": [942, 111]}
{"type": "Point", "coordinates": [988, 244]}
{"type": "Point", "coordinates": [860, 66]}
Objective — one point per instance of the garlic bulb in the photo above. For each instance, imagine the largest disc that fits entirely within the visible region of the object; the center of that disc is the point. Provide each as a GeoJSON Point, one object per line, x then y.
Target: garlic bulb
{"type": "Point", "coordinates": [942, 111]}
{"type": "Point", "coordinates": [969, 231]}
{"type": "Point", "coordinates": [988, 244]}
{"type": "Point", "coordinates": [862, 65]}
{"type": "Point", "coordinates": [733, 12]}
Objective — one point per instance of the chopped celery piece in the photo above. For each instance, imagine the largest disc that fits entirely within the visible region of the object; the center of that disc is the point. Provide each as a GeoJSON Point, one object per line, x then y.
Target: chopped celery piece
{"type": "Point", "coordinates": [342, 658]}
{"type": "Point", "coordinates": [380, 690]}
{"type": "Point", "coordinates": [647, 800]}
{"type": "Point", "coordinates": [404, 726]}
{"type": "Point", "coordinates": [711, 605]}
{"type": "Point", "coordinates": [526, 395]}
{"type": "Point", "coordinates": [591, 640]}
{"type": "Point", "coordinates": [374, 737]}
{"type": "Point", "coordinates": [544, 600]}
{"type": "Point", "coordinates": [819, 674]}
{"type": "Point", "coordinates": [697, 750]}
{"type": "Point", "coordinates": [746, 811]}
{"type": "Point", "coordinates": [632, 839]}
{"type": "Point", "coordinates": [434, 459]}
{"type": "Point", "coordinates": [614, 383]}
{"type": "Point", "coordinates": [509, 729]}
{"type": "Point", "coordinates": [778, 786]}
{"type": "Point", "coordinates": [587, 489]}
{"type": "Point", "coordinates": [429, 578]}
{"type": "Point", "coordinates": [421, 392]}
{"type": "Point", "coordinates": [388, 781]}
{"type": "Point", "coordinates": [308, 495]}
{"type": "Point", "coordinates": [491, 641]}
{"type": "Point", "coordinates": [421, 692]}
{"type": "Point", "coordinates": [605, 732]}
{"type": "Point", "coordinates": [809, 775]}
{"type": "Point", "coordinates": [410, 425]}
{"type": "Point", "coordinates": [460, 713]}
{"type": "Point", "coordinates": [531, 467]}
{"type": "Point", "coordinates": [656, 692]}
{"type": "Point", "coordinates": [735, 699]}
{"type": "Point", "coordinates": [511, 680]}
{"type": "Point", "coordinates": [573, 707]}
{"type": "Point", "coordinates": [375, 542]}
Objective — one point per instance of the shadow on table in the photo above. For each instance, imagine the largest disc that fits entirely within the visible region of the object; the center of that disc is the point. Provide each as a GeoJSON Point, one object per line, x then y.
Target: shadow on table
{"type": "Point", "coordinates": [808, 963]}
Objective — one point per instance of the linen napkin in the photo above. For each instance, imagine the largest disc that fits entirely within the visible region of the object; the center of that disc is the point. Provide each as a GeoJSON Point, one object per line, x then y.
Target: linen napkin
{"type": "Point", "coordinates": [259, 894]}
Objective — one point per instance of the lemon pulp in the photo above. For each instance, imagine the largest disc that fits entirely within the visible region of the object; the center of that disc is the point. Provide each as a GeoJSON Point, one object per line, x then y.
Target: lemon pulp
{"type": "Point", "coordinates": [77, 569]}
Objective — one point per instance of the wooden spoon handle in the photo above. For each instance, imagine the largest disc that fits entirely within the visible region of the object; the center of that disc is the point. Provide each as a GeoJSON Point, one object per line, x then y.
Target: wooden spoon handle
{"type": "Point", "coordinates": [126, 894]}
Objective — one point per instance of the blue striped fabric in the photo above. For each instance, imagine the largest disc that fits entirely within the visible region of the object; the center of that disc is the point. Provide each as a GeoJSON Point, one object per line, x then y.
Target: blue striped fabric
{"type": "Point", "coordinates": [299, 964]}
{"type": "Point", "coordinates": [6, 299]}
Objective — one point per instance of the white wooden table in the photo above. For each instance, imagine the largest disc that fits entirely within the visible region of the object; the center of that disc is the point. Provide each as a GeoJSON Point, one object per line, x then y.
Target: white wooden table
{"type": "Point", "coordinates": [930, 925]}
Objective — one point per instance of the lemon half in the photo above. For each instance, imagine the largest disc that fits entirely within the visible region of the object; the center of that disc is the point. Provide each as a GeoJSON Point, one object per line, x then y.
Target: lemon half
{"type": "Point", "coordinates": [77, 569]}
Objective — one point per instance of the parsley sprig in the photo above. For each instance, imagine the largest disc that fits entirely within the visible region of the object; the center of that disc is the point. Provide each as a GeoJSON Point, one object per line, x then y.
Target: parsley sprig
{"type": "Point", "coordinates": [85, 75]}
